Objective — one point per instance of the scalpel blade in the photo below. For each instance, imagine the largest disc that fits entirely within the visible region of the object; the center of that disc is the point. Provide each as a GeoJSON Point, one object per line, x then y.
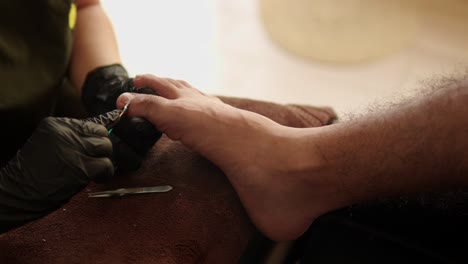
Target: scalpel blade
{"type": "Point", "coordinates": [126, 191]}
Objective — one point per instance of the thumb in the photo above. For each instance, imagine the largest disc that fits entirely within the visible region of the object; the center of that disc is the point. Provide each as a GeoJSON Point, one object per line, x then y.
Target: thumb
{"type": "Point", "coordinates": [150, 107]}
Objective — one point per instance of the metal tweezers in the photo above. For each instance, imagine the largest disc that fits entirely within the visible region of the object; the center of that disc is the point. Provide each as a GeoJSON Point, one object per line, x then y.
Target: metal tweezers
{"type": "Point", "coordinates": [111, 126]}
{"type": "Point", "coordinates": [126, 191]}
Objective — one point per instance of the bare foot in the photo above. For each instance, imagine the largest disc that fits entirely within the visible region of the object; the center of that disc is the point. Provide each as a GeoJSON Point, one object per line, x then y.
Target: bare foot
{"type": "Point", "coordinates": [267, 163]}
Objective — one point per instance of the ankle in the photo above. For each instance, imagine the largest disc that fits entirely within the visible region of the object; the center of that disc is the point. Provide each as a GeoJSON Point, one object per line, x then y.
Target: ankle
{"type": "Point", "coordinates": [308, 162]}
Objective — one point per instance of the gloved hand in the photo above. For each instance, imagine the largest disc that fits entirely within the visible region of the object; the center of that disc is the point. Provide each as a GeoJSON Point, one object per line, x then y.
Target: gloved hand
{"type": "Point", "coordinates": [123, 156]}
{"type": "Point", "coordinates": [56, 162]}
{"type": "Point", "coordinates": [132, 137]}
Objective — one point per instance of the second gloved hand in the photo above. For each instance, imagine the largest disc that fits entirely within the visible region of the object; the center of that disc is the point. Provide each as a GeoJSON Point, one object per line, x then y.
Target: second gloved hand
{"type": "Point", "coordinates": [124, 157]}
{"type": "Point", "coordinates": [133, 136]}
{"type": "Point", "coordinates": [56, 162]}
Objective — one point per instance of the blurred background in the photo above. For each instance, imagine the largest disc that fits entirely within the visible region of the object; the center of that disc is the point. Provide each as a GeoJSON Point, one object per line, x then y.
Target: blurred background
{"type": "Point", "coordinates": [342, 53]}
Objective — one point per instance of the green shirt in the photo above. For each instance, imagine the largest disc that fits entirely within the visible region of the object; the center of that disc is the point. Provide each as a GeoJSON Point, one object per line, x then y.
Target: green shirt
{"type": "Point", "coordinates": [35, 48]}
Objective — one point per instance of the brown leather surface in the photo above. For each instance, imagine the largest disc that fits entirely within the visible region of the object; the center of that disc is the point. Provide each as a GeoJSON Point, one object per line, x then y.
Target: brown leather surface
{"type": "Point", "coordinates": [200, 221]}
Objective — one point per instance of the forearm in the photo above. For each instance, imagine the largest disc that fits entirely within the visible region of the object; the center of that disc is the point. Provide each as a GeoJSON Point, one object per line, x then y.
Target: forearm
{"type": "Point", "coordinates": [417, 146]}
{"type": "Point", "coordinates": [95, 44]}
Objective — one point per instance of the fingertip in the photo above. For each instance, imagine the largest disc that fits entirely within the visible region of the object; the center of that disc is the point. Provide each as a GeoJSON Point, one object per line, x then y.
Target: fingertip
{"type": "Point", "coordinates": [146, 106]}
{"type": "Point", "coordinates": [137, 101]}
{"type": "Point", "coordinates": [124, 99]}
{"type": "Point", "coordinates": [142, 79]}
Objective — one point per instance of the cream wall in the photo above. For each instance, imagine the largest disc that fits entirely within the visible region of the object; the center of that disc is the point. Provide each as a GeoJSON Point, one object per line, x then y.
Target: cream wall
{"type": "Point", "coordinates": [221, 47]}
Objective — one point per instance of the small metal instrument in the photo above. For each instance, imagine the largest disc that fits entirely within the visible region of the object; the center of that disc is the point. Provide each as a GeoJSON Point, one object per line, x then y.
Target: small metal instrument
{"type": "Point", "coordinates": [126, 191]}
{"type": "Point", "coordinates": [112, 125]}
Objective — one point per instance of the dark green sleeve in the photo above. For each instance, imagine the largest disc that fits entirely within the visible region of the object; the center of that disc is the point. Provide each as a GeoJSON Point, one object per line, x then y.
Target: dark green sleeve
{"type": "Point", "coordinates": [35, 46]}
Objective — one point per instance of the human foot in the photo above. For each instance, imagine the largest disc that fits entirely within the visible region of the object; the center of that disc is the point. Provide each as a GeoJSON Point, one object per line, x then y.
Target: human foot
{"type": "Point", "coordinates": [259, 156]}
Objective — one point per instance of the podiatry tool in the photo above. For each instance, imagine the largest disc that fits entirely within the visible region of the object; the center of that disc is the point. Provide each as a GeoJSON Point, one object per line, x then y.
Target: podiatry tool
{"type": "Point", "coordinates": [126, 191]}
{"type": "Point", "coordinates": [111, 126]}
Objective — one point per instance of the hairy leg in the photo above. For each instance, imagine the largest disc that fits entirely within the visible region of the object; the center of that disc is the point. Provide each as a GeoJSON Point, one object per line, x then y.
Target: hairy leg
{"type": "Point", "coordinates": [287, 177]}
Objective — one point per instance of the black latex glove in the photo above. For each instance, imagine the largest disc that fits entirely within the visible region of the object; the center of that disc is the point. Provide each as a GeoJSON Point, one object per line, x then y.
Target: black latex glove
{"type": "Point", "coordinates": [56, 162]}
{"type": "Point", "coordinates": [101, 89]}
{"type": "Point", "coordinates": [123, 157]}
